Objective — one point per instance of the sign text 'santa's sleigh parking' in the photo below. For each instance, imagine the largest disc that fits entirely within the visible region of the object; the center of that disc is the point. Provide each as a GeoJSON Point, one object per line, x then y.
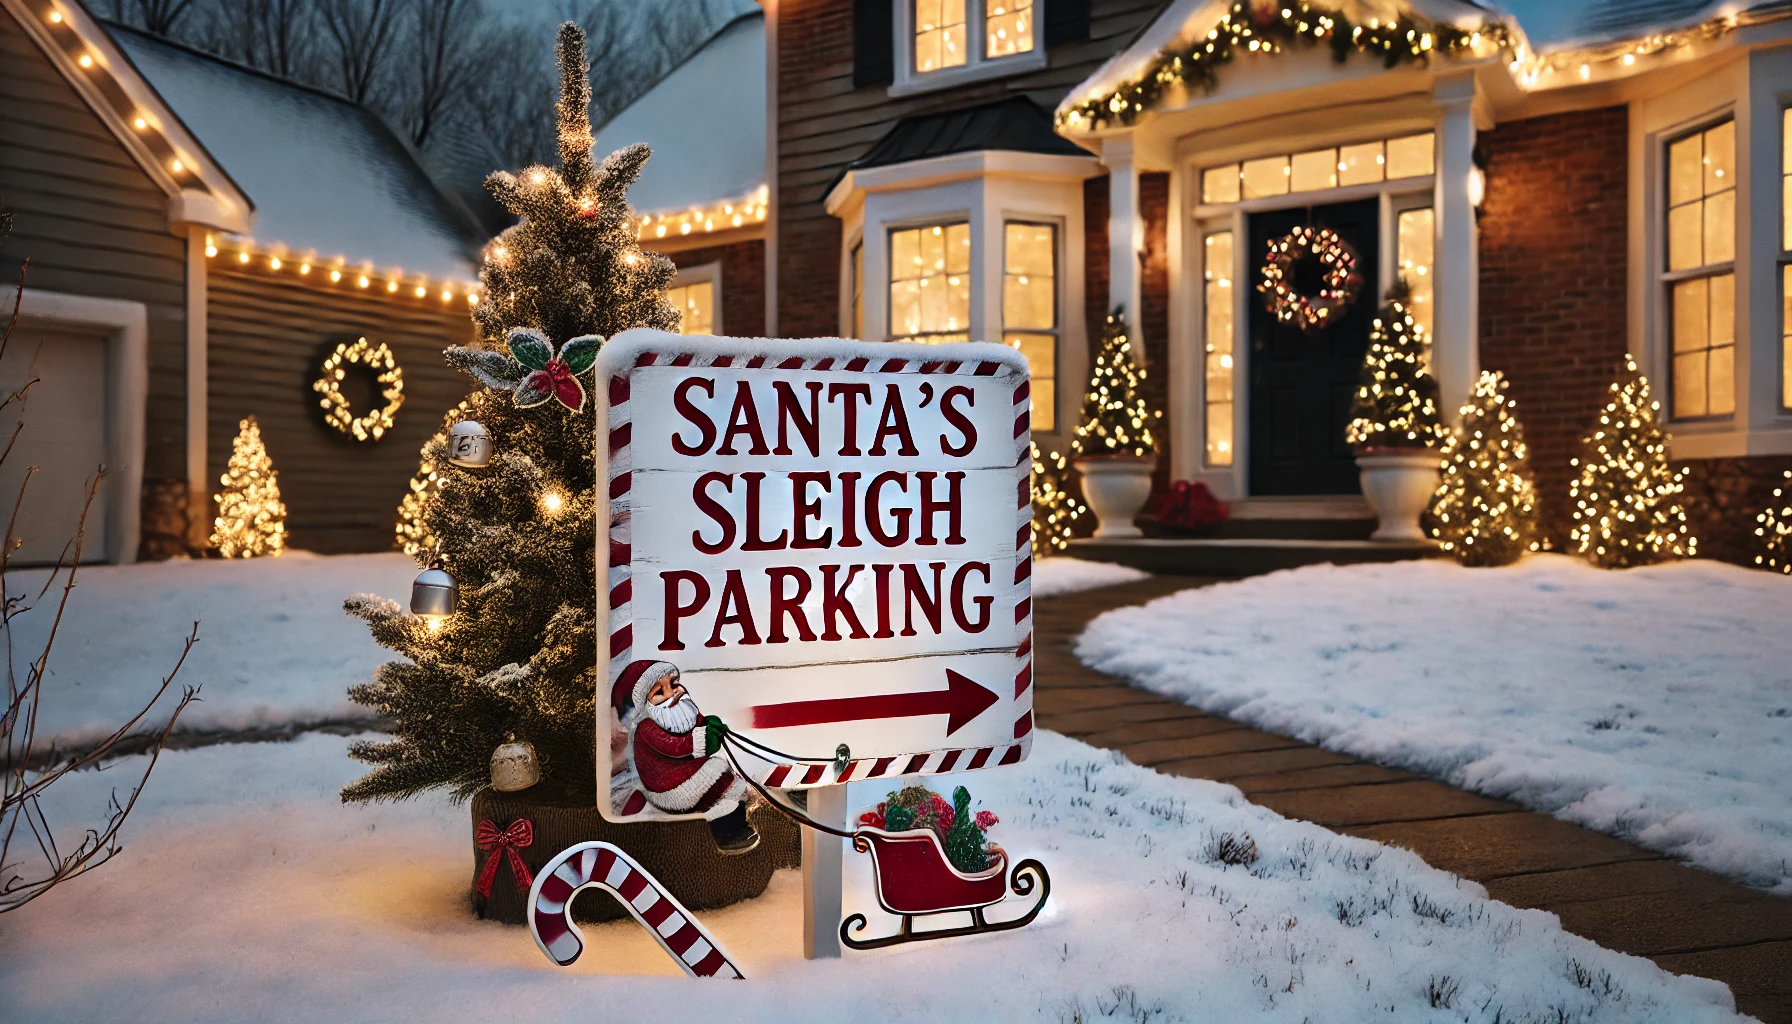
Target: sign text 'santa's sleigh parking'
{"type": "Point", "coordinates": [821, 543]}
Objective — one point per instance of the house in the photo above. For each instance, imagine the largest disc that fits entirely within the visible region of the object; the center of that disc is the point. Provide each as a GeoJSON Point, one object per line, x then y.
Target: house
{"type": "Point", "coordinates": [1560, 183]}
{"type": "Point", "coordinates": [702, 198]}
{"type": "Point", "coordinates": [201, 238]}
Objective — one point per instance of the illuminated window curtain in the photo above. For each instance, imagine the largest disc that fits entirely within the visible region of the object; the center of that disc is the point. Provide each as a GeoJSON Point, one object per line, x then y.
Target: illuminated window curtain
{"type": "Point", "coordinates": [939, 34]}
{"type": "Point", "coordinates": [1220, 335]}
{"type": "Point", "coordinates": [1008, 27]}
{"type": "Point", "coordinates": [930, 283]}
{"type": "Point", "coordinates": [1414, 239]}
{"type": "Point", "coordinates": [696, 303]}
{"type": "Point", "coordinates": [1701, 281]}
{"type": "Point", "coordinates": [1030, 310]}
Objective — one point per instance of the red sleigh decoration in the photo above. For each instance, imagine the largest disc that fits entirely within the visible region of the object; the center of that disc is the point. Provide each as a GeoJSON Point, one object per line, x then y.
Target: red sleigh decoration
{"type": "Point", "coordinates": [914, 879]}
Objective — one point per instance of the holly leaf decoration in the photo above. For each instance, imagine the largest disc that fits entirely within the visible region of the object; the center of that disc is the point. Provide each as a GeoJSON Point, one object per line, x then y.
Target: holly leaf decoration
{"type": "Point", "coordinates": [580, 354]}
{"type": "Point", "coordinates": [490, 367]}
{"type": "Point", "coordinates": [535, 389]}
{"type": "Point", "coordinates": [531, 348]}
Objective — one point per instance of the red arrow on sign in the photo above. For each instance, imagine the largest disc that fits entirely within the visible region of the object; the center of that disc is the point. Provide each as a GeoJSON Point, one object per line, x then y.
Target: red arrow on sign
{"type": "Point", "coordinates": [962, 700]}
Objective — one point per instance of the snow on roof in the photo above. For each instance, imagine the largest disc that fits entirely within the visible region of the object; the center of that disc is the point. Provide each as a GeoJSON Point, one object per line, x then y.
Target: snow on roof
{"type": "Point", "coordinates": [1551, 26]}
{"type": "Point", "coordinates": [705, 121]}
{"type": "Point", "coordinates": [326, 175]}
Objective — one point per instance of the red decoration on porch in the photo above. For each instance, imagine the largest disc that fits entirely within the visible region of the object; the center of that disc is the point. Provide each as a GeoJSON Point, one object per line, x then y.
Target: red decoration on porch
{"type": "Point", "coordinates": [1189, 505]}
{"type": "Point", "coordinates": [1341, 281]}
{"type": "Point", "coordinates": [520, 834]}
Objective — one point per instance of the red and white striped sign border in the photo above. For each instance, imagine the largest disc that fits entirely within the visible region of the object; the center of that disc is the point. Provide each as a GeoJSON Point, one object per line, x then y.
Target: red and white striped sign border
{"type": "Point", "coordinates": [621, 575]}
{"type": "Point", "coordinates": [604, 866]}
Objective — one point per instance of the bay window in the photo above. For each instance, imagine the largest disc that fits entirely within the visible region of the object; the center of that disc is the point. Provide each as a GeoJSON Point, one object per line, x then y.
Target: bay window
{"type": "Point", "coordinates": [1030, 309]}
{"type": "Point", "coordinates": [1700, 277]}
{"type": "Point", "coordinates": [930, 283]}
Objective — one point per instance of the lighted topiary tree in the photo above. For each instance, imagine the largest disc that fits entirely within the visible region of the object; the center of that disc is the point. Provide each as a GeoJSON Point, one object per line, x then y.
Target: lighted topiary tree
{"type": "Point", "coordinates": [1116, 418]}
{"type": "Point", "coordinates": [1485, 510]}
{"type": "Point", "coordinates": [251, 518]}
{"type": "Point", "coordinates": [1774, 527]}
{"type": "Point", "coordinates": [1626, 497]}
{"type": "Point", "coordinates": [1396, 397]}
{"type": "Point", "coordinates": [1055, 508]}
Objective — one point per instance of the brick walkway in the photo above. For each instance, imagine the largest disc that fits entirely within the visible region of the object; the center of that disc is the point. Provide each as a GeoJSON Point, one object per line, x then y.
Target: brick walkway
{"type": "Point", "coordinates": [1616, 894]}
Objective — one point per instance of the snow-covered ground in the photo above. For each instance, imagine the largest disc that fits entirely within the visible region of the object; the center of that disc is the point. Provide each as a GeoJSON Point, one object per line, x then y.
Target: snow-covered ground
{"type": "Point", "coordinates": [274, 644]}
{"type": "Point", "coordinates": [1654, 704]}
{"type": "Point", "coordinates": [1063, 575]}
{"type": "Point", "coordinates": [247, 891]}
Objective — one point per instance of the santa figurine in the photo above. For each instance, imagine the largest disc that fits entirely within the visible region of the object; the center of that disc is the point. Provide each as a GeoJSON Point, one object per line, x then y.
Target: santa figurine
{"type": "Point", "coordinates": [679, 772]}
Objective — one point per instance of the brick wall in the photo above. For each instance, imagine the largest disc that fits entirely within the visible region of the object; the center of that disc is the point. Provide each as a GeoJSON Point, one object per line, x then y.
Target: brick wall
{"type": "Point", "coordinates": [1554, 236]}
{"type": "Point", "coordinates": [743, 283]}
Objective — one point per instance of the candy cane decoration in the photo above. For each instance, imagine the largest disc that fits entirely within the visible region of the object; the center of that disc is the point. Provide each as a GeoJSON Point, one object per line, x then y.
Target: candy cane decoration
{"type": "Point", "coordinates": [603, 866]}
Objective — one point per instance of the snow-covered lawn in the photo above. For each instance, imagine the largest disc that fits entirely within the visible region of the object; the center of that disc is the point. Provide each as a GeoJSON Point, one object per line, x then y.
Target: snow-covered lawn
{"type": "Point", "coordinates": [1654, 704]}
{"type": "Point", "coordinates": [1063, 575]}
{"type": "Point", "coordinates": [275, 646]}
{"type": "Point", "coordinates": [247, 891]}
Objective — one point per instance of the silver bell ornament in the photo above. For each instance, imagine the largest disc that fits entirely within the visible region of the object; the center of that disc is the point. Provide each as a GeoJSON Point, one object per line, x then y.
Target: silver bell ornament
{"type": "Point", "coordinates": [434, 595]}
{"type": "Point", "coordinates": [469, 445]}
{"type": "Point", "coordinates": [514, 766]}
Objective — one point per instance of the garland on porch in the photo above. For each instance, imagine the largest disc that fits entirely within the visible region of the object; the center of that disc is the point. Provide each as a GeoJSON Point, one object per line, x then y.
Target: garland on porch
{"type": "Point", "coordinates": [1341, 281]}
{"type": "Point", "coordinates": [1259, 27]}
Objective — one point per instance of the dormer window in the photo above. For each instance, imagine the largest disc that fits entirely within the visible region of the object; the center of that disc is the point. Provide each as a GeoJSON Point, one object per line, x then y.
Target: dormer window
{"type": "Point", "coordinates": [942, 43]}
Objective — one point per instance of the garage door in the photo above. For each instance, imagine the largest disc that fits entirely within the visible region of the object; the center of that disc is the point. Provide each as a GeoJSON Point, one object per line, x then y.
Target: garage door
{"type": "Point", "coordinates": [64, 437]}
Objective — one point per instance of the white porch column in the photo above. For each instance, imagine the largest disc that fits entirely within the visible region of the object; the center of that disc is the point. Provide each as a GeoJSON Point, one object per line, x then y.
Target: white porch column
{"type": "Point", "coordinates": [1126, 229]}
{"type": "Point", "coordinates": [1455, 345]}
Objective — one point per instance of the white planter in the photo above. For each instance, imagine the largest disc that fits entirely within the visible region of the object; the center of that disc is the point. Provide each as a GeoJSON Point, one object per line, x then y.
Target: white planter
{"type": "Point", "coordinates": [1117, 488]}
{"type": "Point", "coordinates": [1399, 485]}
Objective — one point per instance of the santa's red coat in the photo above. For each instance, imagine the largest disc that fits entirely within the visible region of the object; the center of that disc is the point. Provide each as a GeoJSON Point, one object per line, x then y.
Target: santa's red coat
{"type": "Point", "coordinates": [664, 762]}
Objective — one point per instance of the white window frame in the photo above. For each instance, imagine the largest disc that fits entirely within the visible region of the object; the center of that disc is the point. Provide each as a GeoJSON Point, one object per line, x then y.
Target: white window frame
{"type": "Point", "coordinates": [976, 68]}
{"type": "Point", "coordinates": [712, 273]}
{"type": "Point", "coordinates": [1059, 249]}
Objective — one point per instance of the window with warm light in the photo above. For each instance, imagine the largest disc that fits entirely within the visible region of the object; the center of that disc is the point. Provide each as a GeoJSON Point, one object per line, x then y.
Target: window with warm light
{"type": "Point", "coordinates": [930, 283]}
{"type": "Point", "coordinates": [1414, 241]}
{"type": "Point", "coordinates": [1008, 28]}
{"type": "Point", "coordinates": [1220, 337]}
{"type": "Point", "coordinates": [1364, 163]}
{"type": "Point", "coordinates": [1786, 259]}
{"type": "Point", "coordinates": [858, 289]}
{"type": "Point", "coordinates": [1700, 276]}
{"type": "Point", "coordinates": [696, 305]}
{"type": "Point", "coordinates": [939, 34]}
{"type": "Point", "coordinates": [958, 40]}
{"type": "Point", "coordinates": [1030, 310]}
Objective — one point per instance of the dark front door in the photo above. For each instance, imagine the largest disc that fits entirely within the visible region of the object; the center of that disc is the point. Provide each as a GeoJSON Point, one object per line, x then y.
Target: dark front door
{"type": "Point", "coordinates": [1302, 382]}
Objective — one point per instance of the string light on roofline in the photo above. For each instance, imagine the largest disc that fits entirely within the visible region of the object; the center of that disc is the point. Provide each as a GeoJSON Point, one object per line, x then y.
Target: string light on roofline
{"type": "Point", "coordinates": [279, 260]}
{"type": "Point", "coordinates": [749, 210]}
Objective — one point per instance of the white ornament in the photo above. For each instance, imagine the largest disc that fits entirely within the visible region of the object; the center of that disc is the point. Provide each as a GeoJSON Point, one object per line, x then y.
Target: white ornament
{"type": "Point", "coordinates": [469, 445]}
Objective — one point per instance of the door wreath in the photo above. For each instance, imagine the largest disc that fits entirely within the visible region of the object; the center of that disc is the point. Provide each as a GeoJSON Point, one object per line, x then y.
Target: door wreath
{"type": "Point", "coordinates": [337, 412]}
{"type": "Point", "coordinates": [1340, 281]}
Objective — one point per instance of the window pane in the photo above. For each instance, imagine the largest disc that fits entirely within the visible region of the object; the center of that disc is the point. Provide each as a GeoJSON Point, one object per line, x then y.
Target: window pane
{"type": "Point", "coordinates": [696, 307]}
{"type": "Point", "coordinates": [1720, 157]}
{"type": "Point", "coordinates": [927, 294]}
{"type": "Point", "coordinates": [1685, 171]}
{"type": "Point", "coordinates": [1690, 315]}
{"type": "Point", "coordinates": [1265, 177]}
{"type": "Point", "coordinates": [1219, 433]}
{"type": "Point", "coordinates": [1411, 157]}
{"type": "Point", "coordinates": [1786, 212]}
{"type": "Point", "coordinates": [858, 290]}
{"type": "Point", "coordinates": [1723, 310]}
{"type": "Point", "coordinates": [1010, 27]}
{"type": "Point", "coordinates": [958, 248]}
{"type": "Point", "coordinates": [1415, 241]}
{"type": "Point", "coordinates": [1041, 351]}
{"type": "Point", "coordinates": [1220, 340]}
{"type": "Point", "coordinates": [1220, 184]}
{"type": "Point", "coordinates": [1029, 288]}
{"type": "Point", "coordinates": [1315, 170]}
{"type": "Point", "coordinates": [1720, 227]}
{"type": "Point", "coordinates": [1704, 337]}
{"type": "Point", "coordinates": [1689, 385]}
{"type": "Point", "coordinates": [1786, 336]}
{"type": "Point", "coordinates": [1685, 228]}
{"type": "Point", "coordinates": [1721, 379]}
{"type": "Point", "coordinates": [939, 34]}
{"type": "Point", "coordinates": [1360, 164]}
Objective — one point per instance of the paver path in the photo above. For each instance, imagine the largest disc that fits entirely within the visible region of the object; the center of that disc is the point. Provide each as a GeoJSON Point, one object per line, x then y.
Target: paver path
{"type": "Point", "coordinates": [1618, 895]}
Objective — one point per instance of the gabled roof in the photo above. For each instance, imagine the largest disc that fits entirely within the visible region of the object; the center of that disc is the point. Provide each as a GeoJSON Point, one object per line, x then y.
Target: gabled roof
{"type": "Point", "coordinates": [327, 176]}
{"type": "Point", "coordinates": [1553, 26]}
{"type": "Point", "coordinates": [705, 121]}
{"type": "Point", "coordinates": [1015, 124]}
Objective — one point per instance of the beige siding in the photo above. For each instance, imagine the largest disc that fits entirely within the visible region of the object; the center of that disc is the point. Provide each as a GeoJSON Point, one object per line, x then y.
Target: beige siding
{"type": "Point", "coordinates": [92, 223]}
{"type": "Point", "coordinates": [269, 334]}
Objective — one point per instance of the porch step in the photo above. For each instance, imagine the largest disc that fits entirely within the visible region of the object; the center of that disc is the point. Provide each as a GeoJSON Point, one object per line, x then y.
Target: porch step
{"type": "Point", "coordinates": [1240, 556]}
{"type": "Point", "coordinates": [1339, 517]}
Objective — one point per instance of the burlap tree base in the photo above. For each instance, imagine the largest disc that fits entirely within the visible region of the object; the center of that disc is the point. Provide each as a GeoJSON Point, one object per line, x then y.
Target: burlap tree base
{"type": "Point", "coordinates": [680, 854]}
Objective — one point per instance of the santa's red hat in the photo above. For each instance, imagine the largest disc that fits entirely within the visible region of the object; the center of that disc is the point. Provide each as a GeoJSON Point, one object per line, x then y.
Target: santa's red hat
{"type": "Point", "coordinates": [631, 687]}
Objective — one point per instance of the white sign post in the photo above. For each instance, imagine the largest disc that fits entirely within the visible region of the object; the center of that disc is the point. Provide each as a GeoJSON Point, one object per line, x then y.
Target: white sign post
{"type": "Point", "coordinates": [830, 541]}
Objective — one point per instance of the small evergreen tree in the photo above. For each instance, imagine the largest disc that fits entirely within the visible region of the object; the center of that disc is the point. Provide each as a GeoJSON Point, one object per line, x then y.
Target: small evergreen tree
{"type": "Point", "coordinates": [1396, 397]}
{"type": "Point", "coordinates": [1485, 508]}
{"type": "Point", "coordinates": [1626, 498]}
{"type": "Point", "coordinates": [1774, 527]}
{"type": "Point", "coordinates": [965, 845]}
{"type": "Point", "coordinates": [1055, 508]}
{"type": "Point", "coordinates": [519, 657]}
{"type": "Point", "coordinates": [412, 533]}
{"type": "Point", "coordinates": [251, 517]}
{"type": "Point", "coordinates": [1116, 418]}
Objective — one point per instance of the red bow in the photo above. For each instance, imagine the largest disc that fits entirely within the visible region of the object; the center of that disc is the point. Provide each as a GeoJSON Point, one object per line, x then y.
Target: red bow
{"type": "Point", "coordinates": [487, 837]}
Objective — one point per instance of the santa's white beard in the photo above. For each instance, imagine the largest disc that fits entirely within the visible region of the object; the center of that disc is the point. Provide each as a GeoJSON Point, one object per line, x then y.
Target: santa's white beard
{"type": "Point", "coordinates": [676, 719]}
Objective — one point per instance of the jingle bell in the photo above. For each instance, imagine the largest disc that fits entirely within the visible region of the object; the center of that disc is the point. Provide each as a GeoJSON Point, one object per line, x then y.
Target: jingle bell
{"type": "Point", "coordinates": [434, 595]}
{"type": "Point", "coordinates": [514, 766]}
{"type": "Point", "coordinates": [469, 445]}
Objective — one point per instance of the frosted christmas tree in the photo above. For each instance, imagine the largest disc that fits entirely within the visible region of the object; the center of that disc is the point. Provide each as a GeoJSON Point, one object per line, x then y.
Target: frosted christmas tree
{"type": "Point", "coordinates": [1396, 398]}
{"type": "Point", "coordinates": [251, 518]}
{"type": "Point", "coordinates": [1626, 497]}
{"type": "Point", "coordinates": [1116, 419]}
{"type": "Point", "coordinates": [1485, 507]}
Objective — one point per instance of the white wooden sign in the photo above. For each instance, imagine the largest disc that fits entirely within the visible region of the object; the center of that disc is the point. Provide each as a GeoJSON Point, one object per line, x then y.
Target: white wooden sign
{"type": "Point", "coordinates": [825, 543]}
